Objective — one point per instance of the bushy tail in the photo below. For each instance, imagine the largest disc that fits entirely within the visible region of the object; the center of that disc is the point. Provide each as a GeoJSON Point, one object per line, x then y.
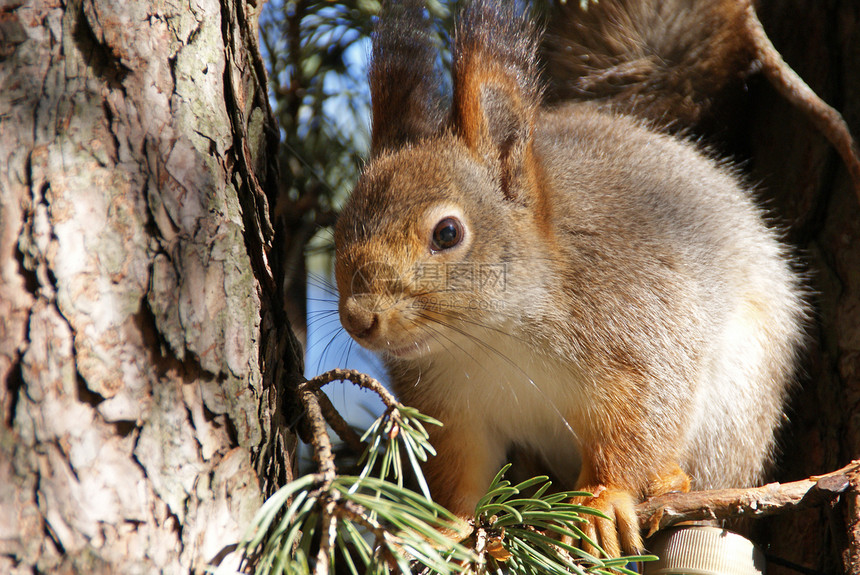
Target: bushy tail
{"type": "Point", "coordinates": [668, 60]}
{"type": "Point", "coordinates": [663, 60]}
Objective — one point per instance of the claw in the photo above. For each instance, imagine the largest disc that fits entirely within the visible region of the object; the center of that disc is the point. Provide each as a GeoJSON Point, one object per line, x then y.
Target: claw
{"type": "Point", "coordinates": [620, 533]}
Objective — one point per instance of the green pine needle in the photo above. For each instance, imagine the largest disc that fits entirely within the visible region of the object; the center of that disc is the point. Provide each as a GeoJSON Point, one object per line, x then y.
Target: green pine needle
{"type": "Point", "coordinates": [381, 526]}
{"type": "Point", "coordinates": [531, 530]}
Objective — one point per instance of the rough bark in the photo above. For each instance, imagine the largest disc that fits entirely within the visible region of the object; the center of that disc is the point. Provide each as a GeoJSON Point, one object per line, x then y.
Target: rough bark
{"type": "Point", "coordinates": [142, 344]}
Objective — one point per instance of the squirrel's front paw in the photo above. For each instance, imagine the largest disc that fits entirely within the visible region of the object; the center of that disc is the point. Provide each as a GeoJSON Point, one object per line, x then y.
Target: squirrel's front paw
{"type": "Point", "coordinates": [618, 534]}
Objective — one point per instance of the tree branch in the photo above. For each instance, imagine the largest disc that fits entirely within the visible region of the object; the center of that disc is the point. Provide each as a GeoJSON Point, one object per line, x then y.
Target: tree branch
{"type": "Point", "coordinates": [320, 441]}
{"type": "Point", "coordinates": [851, 554]}
{"type": "Point", "coordinates": [792, 87]}
{"type": "Point", "coordinates": [667, 510]}
{"type": "Point", "coordinates": [362, 380]}
{"type": "Point", "coordinates": [320, 411]}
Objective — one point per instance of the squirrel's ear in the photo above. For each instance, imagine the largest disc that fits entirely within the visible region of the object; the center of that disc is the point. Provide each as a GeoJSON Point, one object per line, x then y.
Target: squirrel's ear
{"type": "Point", "coordinates": [497, 91]}
{"type": "Point", "coordinates": [404, 81]}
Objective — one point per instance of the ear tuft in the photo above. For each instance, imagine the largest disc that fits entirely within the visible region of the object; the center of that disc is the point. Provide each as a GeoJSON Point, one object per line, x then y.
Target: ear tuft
{"type": "Point", "coordinates": [497, 90]}
{"type": "Point", "coordinates": [404, 80]}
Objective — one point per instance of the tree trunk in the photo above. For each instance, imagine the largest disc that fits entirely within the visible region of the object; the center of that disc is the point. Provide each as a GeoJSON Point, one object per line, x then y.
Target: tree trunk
{"type": "Point", "coordinates": [143, 346]}
{"type": "Point", "coordinates": [809, 189]}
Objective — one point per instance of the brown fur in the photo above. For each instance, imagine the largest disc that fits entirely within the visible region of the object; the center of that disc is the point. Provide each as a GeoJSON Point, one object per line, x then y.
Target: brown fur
{"type": "Point", "coordinates": [644, 335]}
{"type": "Point", "coordinates": [664, 60]}
{"type": "Point", "coordinates": [410, 108]}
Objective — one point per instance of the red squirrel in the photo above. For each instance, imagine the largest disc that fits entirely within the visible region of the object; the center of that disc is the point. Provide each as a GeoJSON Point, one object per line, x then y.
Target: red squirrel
{"type": "Point", "coordinates": [565, 278]}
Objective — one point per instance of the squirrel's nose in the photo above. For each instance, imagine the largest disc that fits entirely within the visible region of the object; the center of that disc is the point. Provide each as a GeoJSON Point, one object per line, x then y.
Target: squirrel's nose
{"type": "Point", "coordinates": [358, 320]}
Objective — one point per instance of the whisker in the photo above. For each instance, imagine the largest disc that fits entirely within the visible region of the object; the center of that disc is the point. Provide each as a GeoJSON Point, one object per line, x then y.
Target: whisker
{"type": "Point", "coordinates": [323, 284]}
{"type": "Point", "coordinates": [321, 331]}
{"type": "Point", "coordinates": [508, 361]}
{"type": "Point", "coordinates": [327, 348]}
{"type": "Point", "coordinates": [454, 305]}
{"type": "Point", "coordinates": [324, 312]}
{"type": "Point", "coordinates": [477, 323]}
{"type": "Point", "coordinates": [487, 347]}
{"type": "Point", "coordinates": [439, 332]}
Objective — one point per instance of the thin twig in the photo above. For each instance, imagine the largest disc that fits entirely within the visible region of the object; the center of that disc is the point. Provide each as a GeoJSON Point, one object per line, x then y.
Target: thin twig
{"type": "Point", "coordinates": [324, 457]}
{"type": "Point", "coordinates": [360, 379]}
{"type": "Point", "coordinates": [320, 441]}
{"type": "Point", "coordinates": [481, 545]}
{"type": "Point", "coordinates": [319, 410]}
{"type": "Point", "coordinates": [667, 510]}
{"type": "Point", "coordinates": [327, 541]}
{"type": "Point", "coordinates": [385, 540]}
{"type": "Point", "coordinates": [340, 426]}
{"type": "Point", "coordinates": [330, 414]}
{"type": "Point", "coordinates": [792, 87]}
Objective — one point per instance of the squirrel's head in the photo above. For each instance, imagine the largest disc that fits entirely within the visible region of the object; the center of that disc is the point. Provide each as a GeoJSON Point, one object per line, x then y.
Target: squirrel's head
{"type": "Point", "coordinates": [426, 238]}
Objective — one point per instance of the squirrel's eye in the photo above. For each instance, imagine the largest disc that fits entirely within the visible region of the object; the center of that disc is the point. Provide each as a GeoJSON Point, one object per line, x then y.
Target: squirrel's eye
{"type": "Point", "coordinates": [447, 234]}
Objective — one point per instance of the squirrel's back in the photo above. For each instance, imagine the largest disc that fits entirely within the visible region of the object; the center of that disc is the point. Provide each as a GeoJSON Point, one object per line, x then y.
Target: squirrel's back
{"type": "Point", "coordinates": [673, 247]}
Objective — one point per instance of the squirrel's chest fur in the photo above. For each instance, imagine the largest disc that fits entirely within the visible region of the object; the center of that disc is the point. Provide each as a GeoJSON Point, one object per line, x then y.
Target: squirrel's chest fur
{"type": "Point", "coordinates": [512, 394]}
